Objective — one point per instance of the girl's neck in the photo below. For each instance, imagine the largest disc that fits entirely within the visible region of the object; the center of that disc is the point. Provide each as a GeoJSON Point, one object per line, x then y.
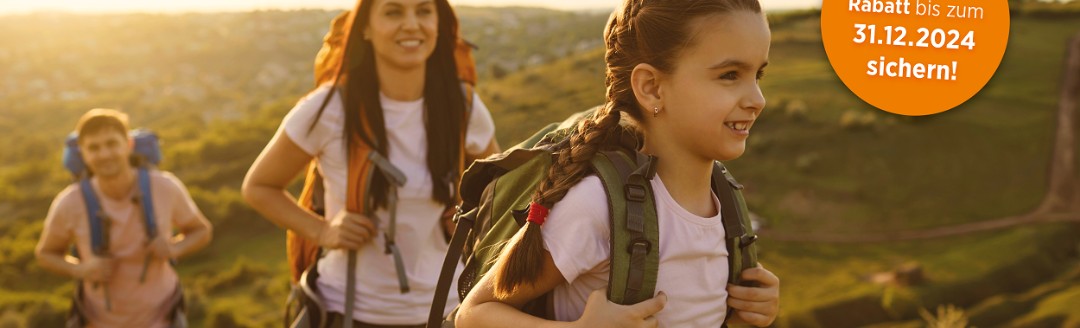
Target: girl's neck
{"type": "Point", "coordinates": [687, 176]}
{"type": "Point", "coordinates": [401, 84]}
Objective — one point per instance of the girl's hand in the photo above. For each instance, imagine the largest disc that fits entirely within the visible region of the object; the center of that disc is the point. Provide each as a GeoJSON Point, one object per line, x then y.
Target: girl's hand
{"type": "Point", "coordinates": [757, 306]}
{"type": "Point", "coordinates": [599, 312]}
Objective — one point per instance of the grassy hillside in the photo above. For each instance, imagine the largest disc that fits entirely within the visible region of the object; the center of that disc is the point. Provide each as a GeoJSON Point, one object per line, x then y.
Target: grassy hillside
{"type": "Point", "coordinates": [823, 161]}
{"type": "Point", "coordinates": [820, 160]}
{"type": "Point", "coordinates": [214, 87]}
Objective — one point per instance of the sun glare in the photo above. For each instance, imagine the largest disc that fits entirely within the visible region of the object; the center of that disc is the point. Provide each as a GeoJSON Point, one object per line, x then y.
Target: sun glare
{"type": "Point", "coordinates": [172, 6]}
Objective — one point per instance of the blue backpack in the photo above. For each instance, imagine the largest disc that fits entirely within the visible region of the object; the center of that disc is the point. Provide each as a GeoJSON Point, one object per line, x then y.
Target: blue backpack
{"type": "Point", "coordinates": [147, 147]}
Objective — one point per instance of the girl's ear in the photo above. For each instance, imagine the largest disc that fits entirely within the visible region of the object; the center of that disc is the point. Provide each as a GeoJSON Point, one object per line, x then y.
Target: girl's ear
{"type": "Point", "coordinates": [645, 80]}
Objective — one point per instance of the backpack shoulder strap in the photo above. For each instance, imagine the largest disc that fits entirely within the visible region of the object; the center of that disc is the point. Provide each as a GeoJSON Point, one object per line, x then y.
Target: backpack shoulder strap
{"type": "Point", "coordinates": [634, 229]}
{"type": "Point", "coordinates": [147, 202]}
{"type": "Point", "coordinates": [463, 226]}
{"type": "Point", "coordinates": [740, 236]}
{"type": "Point", "coordinates": [364, 163]}
{"type": "Point", "coordinates": [93, 214]}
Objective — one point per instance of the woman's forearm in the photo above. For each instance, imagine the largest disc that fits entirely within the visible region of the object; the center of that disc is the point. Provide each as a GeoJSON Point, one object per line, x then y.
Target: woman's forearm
{"type": "Point", "coordinates": [280, 207]}
{"type": "Point", "coordinates": [264, 187]}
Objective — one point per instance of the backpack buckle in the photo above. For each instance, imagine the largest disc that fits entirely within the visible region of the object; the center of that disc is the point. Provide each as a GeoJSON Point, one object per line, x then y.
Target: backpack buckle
{"type": "Point", "coordinates": [639, 243]}
{"type": "Point", "coordinates": [730, 179]}
{"type": "Point", "coordinates": [462, 215]}
{"type": "Point", "coordinates": [635, 192]}
{"type": "Point", "coordinates": [747, 239]}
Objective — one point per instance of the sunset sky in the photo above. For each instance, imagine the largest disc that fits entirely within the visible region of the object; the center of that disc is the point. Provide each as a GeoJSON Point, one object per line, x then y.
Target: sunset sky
{"type": "Point", "coordinates": [95, 6]}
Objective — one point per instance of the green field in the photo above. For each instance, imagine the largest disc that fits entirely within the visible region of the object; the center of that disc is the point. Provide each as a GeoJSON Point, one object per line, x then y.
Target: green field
{"type": "Point", "coordinates": [810, 172]}
{"type": "Point", "coordinates": [821, 161]}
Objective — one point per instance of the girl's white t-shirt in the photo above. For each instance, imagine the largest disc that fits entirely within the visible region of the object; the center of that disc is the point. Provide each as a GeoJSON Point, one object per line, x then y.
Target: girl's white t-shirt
{"type": "Point", "coordinates": [693, 256]}
{"type": "Point", "coordinates": [419, 234]}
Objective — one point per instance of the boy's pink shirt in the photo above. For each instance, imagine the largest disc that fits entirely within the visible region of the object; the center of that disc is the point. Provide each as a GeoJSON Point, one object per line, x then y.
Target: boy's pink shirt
{"type": "Point", "coordinates": [134, 303]}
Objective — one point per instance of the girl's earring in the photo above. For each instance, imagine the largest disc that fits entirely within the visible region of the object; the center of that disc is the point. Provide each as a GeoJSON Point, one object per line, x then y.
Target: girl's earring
{"type": "Point", "coordinates": [655, 111]}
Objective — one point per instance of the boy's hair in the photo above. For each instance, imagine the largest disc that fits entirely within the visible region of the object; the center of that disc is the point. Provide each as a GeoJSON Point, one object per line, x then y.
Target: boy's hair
{"type": "Point", "coordinates": [640, 31]}
{"type": "Point", "coordinates": [102, 119]}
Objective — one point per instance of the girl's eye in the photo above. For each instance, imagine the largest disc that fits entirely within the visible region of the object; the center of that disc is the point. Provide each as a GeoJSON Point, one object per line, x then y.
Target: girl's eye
{"type": "Point", "coordinates": [761, 74]}
{"type": "Point", "coordinates": [424, 11]}
{"type": "Point", "coordinates": [393, 13]}
{"type": "Point", "coordinates": [733, 75]}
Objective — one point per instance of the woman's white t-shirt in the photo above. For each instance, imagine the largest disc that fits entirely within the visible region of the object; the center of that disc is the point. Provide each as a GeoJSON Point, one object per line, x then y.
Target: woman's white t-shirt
{"type": "Point", "coordinates": [419, 234]}
{"type": "Point", "coordinates": [693, 257]}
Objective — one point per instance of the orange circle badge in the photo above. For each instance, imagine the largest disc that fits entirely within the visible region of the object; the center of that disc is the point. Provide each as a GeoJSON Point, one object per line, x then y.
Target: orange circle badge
{"type": "Point", "coordinates": [915, 57]}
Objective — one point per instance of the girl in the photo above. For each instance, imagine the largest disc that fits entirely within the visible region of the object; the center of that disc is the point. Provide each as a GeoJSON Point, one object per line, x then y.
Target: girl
{"type": "Point", "coordinates": [686, 72]}
{"type": "Point", "coordinates": [397, 94]}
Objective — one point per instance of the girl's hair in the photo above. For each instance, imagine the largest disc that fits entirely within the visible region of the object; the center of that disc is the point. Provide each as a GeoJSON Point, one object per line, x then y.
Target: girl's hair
{"type": "Point", "coordinates": [359, 84]}
{"type": "Point", "coordinates": [641, 31]}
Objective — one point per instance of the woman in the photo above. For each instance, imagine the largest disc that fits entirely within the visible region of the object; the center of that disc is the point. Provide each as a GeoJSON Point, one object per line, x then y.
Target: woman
{"type": "Point", "coordinates": [396, 96]}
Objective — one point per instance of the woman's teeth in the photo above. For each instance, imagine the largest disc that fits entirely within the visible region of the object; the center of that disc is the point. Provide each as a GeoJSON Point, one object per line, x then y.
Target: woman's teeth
{"type": "Point", "coordinates": [409, 43]}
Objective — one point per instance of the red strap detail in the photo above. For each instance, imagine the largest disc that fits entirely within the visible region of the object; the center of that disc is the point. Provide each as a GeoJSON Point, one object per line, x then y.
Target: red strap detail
{"type": "Point", "coordinates": [537, 213]}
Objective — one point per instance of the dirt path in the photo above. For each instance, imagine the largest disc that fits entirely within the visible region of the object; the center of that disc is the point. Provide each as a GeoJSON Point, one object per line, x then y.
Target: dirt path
{"type": "Point", "coordinates": [1062, 200]}
{"type": "Point", "coordinates": [954, 230]}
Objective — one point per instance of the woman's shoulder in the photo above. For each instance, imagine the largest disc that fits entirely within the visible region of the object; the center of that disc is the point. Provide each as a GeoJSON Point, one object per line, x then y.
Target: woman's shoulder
{"type": "Point", "coordinates": [314, 99]}
{"type": "Point", "coordinates": [311, 106]}
{"type": "Point", "coordinates": [321, 91]}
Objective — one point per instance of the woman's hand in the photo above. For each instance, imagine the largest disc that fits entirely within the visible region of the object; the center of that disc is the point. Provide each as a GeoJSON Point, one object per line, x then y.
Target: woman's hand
{"type": "Point", "coordinates": [346, 230]}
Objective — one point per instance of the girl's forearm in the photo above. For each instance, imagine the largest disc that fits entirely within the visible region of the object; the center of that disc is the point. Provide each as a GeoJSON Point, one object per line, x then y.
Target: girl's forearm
{"type": "Point", "coordinates": [497, 314]}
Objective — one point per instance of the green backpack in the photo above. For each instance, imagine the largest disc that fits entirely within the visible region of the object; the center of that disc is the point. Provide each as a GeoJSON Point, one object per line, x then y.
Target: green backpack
{"type": "Point", "coordinates": [495, 193]}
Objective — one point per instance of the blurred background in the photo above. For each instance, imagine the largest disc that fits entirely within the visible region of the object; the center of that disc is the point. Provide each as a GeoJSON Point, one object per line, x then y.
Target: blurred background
{"type": "Point", "coordinates": [869, 219]}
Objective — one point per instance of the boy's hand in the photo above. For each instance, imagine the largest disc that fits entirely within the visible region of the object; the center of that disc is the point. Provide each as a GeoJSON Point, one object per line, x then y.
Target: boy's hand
{"type": "Point", "coordinates": [162, 248]}
{"type": "Point", "coordinates": [94, 269]}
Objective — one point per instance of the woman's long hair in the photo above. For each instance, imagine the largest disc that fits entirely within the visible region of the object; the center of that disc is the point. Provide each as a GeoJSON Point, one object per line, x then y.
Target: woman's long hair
{"type": "Point", "coordinates": [444, 100]}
